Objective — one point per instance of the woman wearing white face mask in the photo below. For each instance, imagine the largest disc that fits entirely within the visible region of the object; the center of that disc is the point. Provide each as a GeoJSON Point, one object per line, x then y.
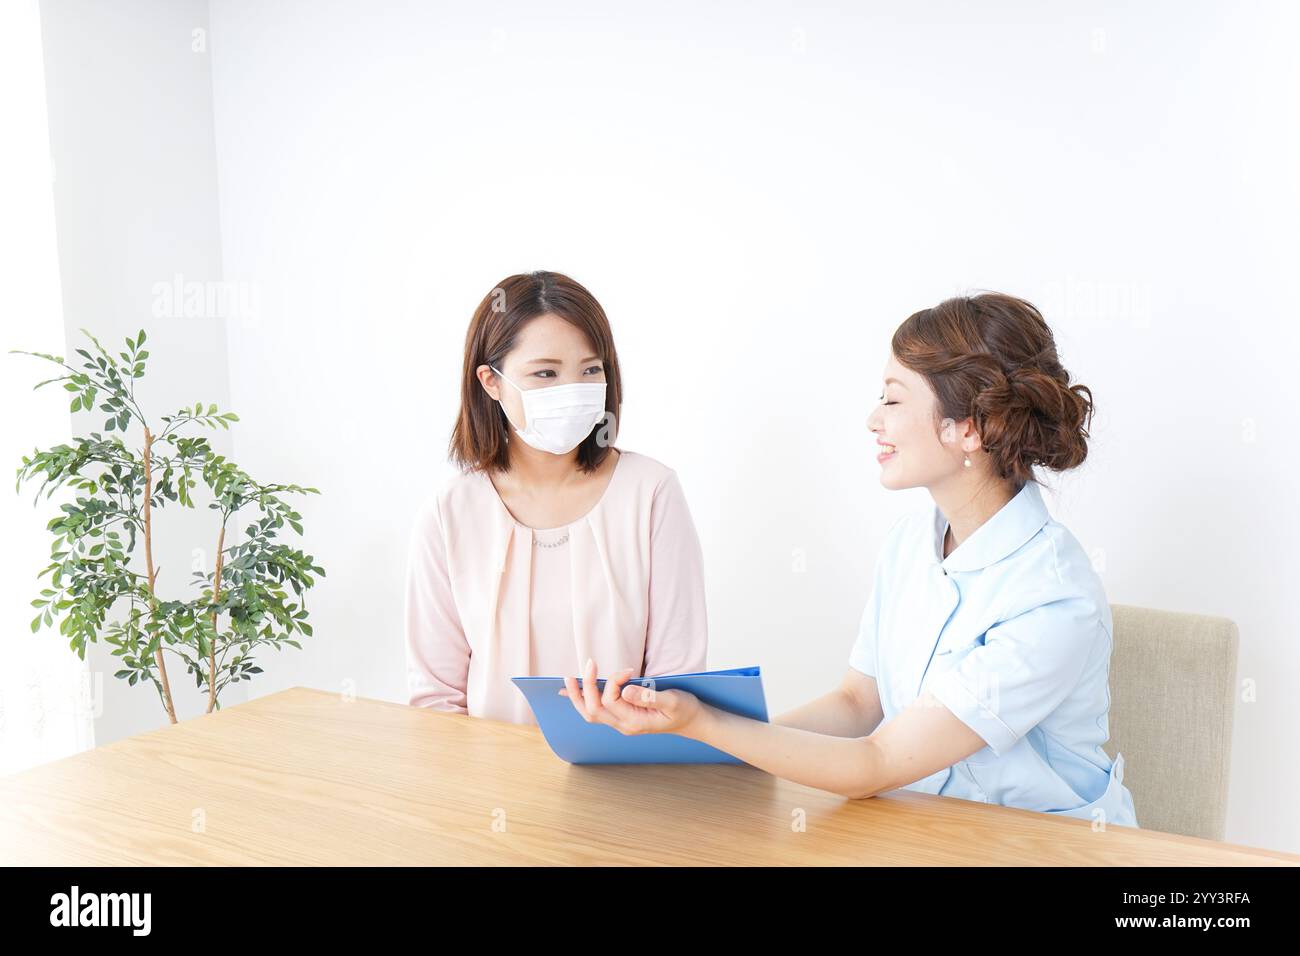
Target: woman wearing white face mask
{"type": "Point", "coordinates": [552, 547]}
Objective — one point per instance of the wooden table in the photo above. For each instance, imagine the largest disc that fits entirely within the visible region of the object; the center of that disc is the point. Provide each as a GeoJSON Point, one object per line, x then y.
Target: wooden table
{"type": "Point", "coordinates": [311, 777]}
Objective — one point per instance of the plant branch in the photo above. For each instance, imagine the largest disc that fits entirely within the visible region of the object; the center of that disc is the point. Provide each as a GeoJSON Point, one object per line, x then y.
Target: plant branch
{"type": "Point", "coordinates": [153, 572]}
{"type": "Point", "coordinates": [212, 647]}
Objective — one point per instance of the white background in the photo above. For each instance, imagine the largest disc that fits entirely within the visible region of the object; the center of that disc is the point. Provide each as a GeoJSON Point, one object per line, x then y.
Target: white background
{"type": "Point", "coordinates": [758, 194]}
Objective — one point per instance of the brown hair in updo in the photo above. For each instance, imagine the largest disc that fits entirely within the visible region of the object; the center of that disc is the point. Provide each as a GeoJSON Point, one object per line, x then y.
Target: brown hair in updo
{"type": "Point", "coordinates": [992, 358]}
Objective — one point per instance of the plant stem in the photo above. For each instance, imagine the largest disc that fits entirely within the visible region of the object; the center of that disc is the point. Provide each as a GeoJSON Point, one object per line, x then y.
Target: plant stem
{"type": "Point", "coordinates": [153, 572]}
{"type": "Point", "coordinates": [212, 647]}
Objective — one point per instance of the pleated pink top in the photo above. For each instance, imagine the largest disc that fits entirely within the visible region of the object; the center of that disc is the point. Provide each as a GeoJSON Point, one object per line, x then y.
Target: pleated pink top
{"type": "Point", "coordinates": [488, 598]}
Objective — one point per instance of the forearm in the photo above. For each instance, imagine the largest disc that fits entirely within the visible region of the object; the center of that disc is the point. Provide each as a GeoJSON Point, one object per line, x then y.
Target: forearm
{"type": "Point", "coordinates": [835, 714]}
{"type": "Point", "coordinates": [437, 669]}
{"type": "Point", "coordinates": [850, 766]}
{"type": "Point", "coordinates": [427, 689]}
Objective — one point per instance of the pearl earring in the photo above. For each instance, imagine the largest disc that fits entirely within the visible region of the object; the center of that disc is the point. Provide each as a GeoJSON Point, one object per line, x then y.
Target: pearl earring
{"type": "Point", "coordinates": [967, 462]}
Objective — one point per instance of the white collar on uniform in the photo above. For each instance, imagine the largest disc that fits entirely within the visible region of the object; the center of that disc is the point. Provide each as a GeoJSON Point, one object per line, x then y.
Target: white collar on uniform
{"type": "Point", "coordinates": [1015, 523]}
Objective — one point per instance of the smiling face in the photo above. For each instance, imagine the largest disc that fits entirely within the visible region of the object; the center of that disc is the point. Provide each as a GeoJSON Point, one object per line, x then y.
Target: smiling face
{"type": "Point", "coordinates": [548, 351]}
{"type": "Point", "coordinates": [914, 450]}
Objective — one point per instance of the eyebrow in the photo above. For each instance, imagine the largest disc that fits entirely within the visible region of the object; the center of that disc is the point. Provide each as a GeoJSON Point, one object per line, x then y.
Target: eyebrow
{"type": "Point", "coordinates": [589, 358]}
{"type": "Point", "coordinates": [894, 381]}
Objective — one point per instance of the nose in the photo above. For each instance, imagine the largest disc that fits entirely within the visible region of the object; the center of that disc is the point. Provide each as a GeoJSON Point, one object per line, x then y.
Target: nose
{"type": "Point", "coordinates": [873, 420]}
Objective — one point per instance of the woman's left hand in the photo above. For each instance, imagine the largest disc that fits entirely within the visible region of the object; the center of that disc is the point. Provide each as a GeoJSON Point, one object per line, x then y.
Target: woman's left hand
{"type": "Point", "coordinates": [632, 709]}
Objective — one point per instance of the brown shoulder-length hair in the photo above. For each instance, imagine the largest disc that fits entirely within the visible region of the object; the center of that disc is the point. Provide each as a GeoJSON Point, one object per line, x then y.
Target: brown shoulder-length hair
{"type": "Point", "coordinates": [992, 358]}
{"type": "Point", "coordinates": [479, 439]}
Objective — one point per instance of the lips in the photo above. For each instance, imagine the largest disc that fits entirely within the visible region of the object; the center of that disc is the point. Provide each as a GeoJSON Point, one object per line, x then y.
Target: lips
{"type": "Point", "coordinates": [886, 452]}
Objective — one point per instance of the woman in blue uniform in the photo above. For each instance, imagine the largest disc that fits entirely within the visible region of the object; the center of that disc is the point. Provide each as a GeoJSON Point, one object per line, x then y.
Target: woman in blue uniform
{"type": "Point", "coordinates": [980, 667]}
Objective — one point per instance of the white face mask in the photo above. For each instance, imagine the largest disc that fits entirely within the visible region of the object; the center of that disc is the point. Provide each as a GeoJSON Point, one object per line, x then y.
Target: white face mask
{"type": "Point", "coordinates": [559, 416]}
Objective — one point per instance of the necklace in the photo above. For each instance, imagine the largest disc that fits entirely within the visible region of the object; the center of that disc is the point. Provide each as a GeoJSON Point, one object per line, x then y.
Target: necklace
{"type": "Point", "coordinates": [551, 544]}
{"type": "Point", "coordinates": [563, 539]}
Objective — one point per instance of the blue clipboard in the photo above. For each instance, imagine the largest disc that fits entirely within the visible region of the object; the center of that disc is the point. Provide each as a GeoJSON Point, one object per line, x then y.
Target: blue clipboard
{"type": "Point", "coordinates": [738, 690]}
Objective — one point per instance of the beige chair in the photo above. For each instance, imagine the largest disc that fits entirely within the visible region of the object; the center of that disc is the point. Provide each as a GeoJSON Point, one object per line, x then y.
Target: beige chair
{"type": "Point", "coordinates": [1173, 680]}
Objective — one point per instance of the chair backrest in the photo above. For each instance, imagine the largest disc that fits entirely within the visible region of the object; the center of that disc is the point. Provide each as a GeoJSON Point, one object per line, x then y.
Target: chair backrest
{"type": "Point", "coordinates": [1173, 683]}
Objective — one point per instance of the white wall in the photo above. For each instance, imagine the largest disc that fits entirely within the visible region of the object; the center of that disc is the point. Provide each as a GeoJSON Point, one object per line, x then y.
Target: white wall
{"type": "Point", "coordinates": [759, 195]}
{"type": "Point", "coordinates": [46, 690]}
{"type": "Point", "coordinates": [135, 191]}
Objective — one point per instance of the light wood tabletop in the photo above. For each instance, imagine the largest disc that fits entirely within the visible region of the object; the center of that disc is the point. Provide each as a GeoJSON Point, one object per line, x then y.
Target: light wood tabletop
{"type": "Point", "coordinates": [309, 777]}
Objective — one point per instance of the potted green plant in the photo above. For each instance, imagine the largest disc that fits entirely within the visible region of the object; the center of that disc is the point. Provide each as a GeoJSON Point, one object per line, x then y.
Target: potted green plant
{"type": "Point", "coordinates": [253, 597]}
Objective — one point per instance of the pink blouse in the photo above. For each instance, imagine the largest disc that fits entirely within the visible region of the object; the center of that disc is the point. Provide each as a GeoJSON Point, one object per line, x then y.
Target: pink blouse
{"type": "Point", "coordinates": [486, 602]}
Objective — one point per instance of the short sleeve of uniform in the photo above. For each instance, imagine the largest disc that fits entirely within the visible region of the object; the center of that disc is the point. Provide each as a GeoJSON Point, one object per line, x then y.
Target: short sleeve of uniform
{"type": "Point", "coordinates": [863, 655]}
{"type": "Point", "coordinates": [1026, 667]}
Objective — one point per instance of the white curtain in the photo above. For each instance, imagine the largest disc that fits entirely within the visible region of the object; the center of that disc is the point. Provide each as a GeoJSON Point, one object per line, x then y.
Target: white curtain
{"type": "Point", "coordinates": [48, 696]}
